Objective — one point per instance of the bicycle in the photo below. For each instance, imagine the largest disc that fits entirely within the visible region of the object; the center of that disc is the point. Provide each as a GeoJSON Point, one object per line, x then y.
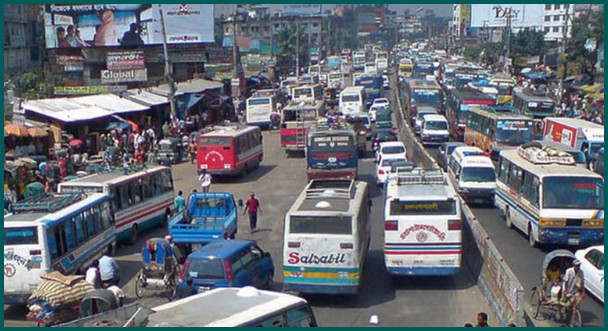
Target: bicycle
{"type": "Point", "coordinates": [574, 318]}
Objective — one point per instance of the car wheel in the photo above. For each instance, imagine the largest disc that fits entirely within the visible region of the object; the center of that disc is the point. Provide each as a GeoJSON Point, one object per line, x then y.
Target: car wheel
{"type": "Point", "coordinates": [508, 220]}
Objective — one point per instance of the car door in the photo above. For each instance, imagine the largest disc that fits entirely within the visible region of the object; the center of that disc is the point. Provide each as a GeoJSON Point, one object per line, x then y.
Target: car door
{"type": "Point", "coordinates": [259, 268]}
{"type": "Point", "coordinates": [594, 272]}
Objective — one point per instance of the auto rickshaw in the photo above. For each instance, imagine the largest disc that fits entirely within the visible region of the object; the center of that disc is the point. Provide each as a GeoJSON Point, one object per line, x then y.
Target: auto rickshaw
{"type": "Point", "coordinates": [172, 147]}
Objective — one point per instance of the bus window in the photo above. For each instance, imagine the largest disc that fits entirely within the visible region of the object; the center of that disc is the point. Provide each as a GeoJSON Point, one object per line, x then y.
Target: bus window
{"type": "Point", "coordinates": [20, 236]}
{"type": "Point", "coordinates": [79, 226]}
{"type": "Point", "coordinates": [136, 187]}
{"type": "Point", "coordinates": [69, 235]}
{"type": "Point", "coordinates": [299, 317]}
{"type": "Point", "coordinates": [321, 225]}
{"type": "Point", "coordinates": [124, 196]}
{"type": "Point", "coordinates": [91, 230]}
{"type": "Point", "coordinates": [53, 237]}
{"type": "Point", "coordinates": [106, 216]}
{"type": "Point", "coordinates": [272, 322]}
{"type": "Point", "coordinates": [147, 187]}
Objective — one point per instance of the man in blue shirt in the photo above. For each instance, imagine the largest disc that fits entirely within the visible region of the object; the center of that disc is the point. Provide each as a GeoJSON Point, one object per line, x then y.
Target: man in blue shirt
{"type": "Point", "coordinates": [179, 202]}
{"type": "Point", "coordinates": [108, 268]}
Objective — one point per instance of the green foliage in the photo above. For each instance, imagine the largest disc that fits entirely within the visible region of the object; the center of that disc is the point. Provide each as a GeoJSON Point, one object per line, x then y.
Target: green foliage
{"type": "Point", "coordinates": [31, 86]}
{"type": "Point", "coordinates": [489, 52]}
{"type": "Point", "coordinates": [578, 59]}
{"type": "Point", "coordinates": [528, 43]}
{"type": "Point", "coordinates": [287, 42]}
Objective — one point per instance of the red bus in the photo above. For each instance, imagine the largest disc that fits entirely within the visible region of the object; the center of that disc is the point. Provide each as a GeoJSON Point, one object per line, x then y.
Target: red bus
{"type": "Point", "coordinates": [229, 150]}
{"type": "Point", "coordinates": [460, 100]}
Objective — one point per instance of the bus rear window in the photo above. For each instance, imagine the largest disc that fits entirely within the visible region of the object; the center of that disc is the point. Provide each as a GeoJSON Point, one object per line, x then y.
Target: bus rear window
{"type": "Point", "coordinates": [423, 207]}
{"type": "Point", "coordinates": [320, 225]}
{"type": "Point", "coordinates": [20, 236]}
{"type": "Point", "coordinates": [215, 141]}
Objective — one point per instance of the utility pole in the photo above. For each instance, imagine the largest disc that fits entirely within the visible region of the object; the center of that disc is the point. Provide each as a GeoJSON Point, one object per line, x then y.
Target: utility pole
{"type": "Point", "coordinates": [297, 48]}
{"type": "Point", "coordinates": [168, 69]}
{"type": "Point", "coordinates": [235, 73]}
{"type": "Point", "coordinates": [564, 44]}
{"type": "Point", "coordinates": [508, 37]}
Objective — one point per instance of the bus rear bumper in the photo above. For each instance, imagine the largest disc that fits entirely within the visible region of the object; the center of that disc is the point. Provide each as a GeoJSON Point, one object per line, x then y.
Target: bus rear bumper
{"type": "Point", "coordinates": [422, 271]}
{"type": "Point", "coordinates": [16, 298]}
{"type": "Point", "coordinates": [571, 237]}
{"type": "Point", "coordinates": [321, 289]}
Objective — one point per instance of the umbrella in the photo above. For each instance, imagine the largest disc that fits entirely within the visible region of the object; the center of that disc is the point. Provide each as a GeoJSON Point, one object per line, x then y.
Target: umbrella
{"type": "Point", "coordinates": [38, 132]}
{"type": "Point", "coordinates": [525, 70]}
{"type": "Point", "coordinates": [75, 142]}
{"type": "Point", "coordinates": [134, 126]}
{"type": "Point", "coordinates": [16, 130]}
{"type": "Point", "coordinates": [591, 88]}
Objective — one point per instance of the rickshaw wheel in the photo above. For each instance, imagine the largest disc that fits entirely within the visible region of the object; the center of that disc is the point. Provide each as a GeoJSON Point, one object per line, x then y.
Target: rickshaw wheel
{"type": "Point", "coordinates": [536, 302]}
{"type": "Point", "coordinates": [140, 286]}
{"type": "Point", "coordinates": [576, 320]}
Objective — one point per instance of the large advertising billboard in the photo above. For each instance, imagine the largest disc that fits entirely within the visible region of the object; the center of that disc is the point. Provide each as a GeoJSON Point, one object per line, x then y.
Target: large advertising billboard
{"type": "Point", "coordinates": [493, 16]}
{"type": "Point", "coordinates": [129, 25]}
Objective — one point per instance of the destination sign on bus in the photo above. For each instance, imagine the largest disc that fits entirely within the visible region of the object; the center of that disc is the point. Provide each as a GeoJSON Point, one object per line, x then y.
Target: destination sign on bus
{"type": "Point", "coordinates": [332, 141]}
{"type": "Point", "coordinates": [514, 125]}
{"type": "Point", "coordinates": [423, 207]}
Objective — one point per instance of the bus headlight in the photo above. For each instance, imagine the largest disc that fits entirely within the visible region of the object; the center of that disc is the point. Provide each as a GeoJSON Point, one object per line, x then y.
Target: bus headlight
{"type": "Point", "coordinates": [552, 222]}
{"type": "Point", "coordinates": [593, 223]}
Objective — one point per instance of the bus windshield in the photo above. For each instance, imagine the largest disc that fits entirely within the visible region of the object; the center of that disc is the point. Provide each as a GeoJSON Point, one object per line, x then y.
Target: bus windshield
{"type": "Point", "coordinates": [350, 98]}
{"type": "Point", "coordinates": [427, 97]}
{"type": "Point", "coordinates": [291, 115]}
{"type": "Point", "coordinates": [20, 236]}
{"type": "Point", "coordinates": [306, 92]}
{"type": "Point", "coordinates": [423, 207]}
{"type": "Point", "coordinates": [215, 141]}
{"type": "Point", "coordinates": [478, 174]}
{"type": "Point", "coordinates": [514, 132]}
{"type": "Point", "coordinates": [340, 225]}
{"type": "Point", "coordinates": [573, 193]}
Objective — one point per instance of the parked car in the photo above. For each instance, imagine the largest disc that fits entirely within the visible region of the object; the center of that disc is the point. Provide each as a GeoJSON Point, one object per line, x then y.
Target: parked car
{"type": "Point", "coordinates": [444, 151]}
{"type": "Point", "coordinates": [171, 147]}
{"type": "Point", "coordinates": [229, 263]}
{"type": "Point", "coordinates": [592, 264]}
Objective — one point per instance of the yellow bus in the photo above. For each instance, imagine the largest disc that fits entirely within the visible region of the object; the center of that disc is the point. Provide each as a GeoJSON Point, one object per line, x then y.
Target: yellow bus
{"type": "Point", "coordinates": [406, 68]}
{"type": "Point", "coordinates": [491, 130]}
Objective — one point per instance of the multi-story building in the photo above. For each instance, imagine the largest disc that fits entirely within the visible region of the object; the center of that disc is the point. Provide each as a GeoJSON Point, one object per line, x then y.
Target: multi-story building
{"type": "Point", "coordinates": [461, 20]}
{"type": "Point", "coordinates": [23, 51]}
{"type": "Point", "coordinates": [557, 21]}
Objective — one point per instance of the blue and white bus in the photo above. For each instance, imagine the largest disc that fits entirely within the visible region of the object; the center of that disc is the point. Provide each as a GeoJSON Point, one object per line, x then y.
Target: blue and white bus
{"type": "Point", "coordinates": [141, 198]}
{"type": "Point", "coordinates": [332, 152]}
{"type": "Point", "coordinates": [54, 232]}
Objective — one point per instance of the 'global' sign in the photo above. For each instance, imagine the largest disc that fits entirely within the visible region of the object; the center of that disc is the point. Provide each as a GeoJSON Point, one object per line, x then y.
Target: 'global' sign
{"type": "Point", "coordinates": [123, 76]}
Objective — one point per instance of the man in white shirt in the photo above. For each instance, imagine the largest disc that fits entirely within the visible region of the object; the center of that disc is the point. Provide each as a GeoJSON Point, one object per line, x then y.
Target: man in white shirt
{"type": "Point", "coordinates": [205, 179]}
{"type": "Point", "coordinates": [574, 284]}
{"type": "Point", "coordinates": [93, 276]}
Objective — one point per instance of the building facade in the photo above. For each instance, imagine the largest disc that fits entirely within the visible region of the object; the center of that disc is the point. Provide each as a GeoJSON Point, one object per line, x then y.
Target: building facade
{"type": "Point", "coordinates": [23, 51]}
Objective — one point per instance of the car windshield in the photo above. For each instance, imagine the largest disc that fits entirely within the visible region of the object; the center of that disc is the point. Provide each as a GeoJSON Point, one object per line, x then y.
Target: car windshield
{"type": "Point", "coordinates": [436, 125]}
{"type": "Point", "coordinates": [478, 174]}
{"type": "Point", "coordinates": [573, 192]}
{"type": "Point", "coordinates": [205, 268]}
{"type": "Point", "coordinates": [384, 135]}
{"type": "Point", "coordinates": [393, 150]}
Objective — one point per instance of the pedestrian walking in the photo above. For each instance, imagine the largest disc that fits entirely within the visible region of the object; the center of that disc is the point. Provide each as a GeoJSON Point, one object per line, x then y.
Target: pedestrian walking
{"type": "Point", "coordinates": [179, 202]}
{"type": "Point", "coordinates": [192, 152]}
{"type": "Point", "coordinates": [205, 180]}
{"type": "Point", "coordinates": [252, 206]}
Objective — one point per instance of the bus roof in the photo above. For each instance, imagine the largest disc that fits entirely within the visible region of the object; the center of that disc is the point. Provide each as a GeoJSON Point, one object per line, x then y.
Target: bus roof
{"type": "Point", "coordinates": [330, 195]}
{"type": "Point", "coordinates": [575, 122]}
{"type": "Point", "coordinates": [527, 95]}
{"type": "Point", "coordinates": [226, 307]}
{"type": "Point", "coordinates": [35, 218]}
{"type": "Point", "coordinates": [112, 177]}
{"type": "Point", "coordinates": [416, 185]}
{"type": "Point", "coordinates": [304, 105]}
{"type": "Point", "coordinates": [542, 170]}
{"type": "Point", "coordinates": [229, 131]}
{"type": "Point", "coordinates": [423, 84]}
{"type": "Point", "coordinates": [355, 89]}
{"type": "Point", "coordinates": [468, 93]}
{"type": "Point", "coordinates": [489, 112]}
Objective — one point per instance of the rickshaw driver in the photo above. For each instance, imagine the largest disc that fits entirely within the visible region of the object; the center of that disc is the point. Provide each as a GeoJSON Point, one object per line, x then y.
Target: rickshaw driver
{"type": "Point", "coordinates": [574, 285]}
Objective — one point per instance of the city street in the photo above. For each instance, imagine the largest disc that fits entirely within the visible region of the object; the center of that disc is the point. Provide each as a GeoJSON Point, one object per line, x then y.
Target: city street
{"type": "Point", "coordinates": [278, 181]}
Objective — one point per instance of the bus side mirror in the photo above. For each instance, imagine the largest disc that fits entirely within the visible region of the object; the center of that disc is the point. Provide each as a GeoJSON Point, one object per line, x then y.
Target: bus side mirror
{"type": "Point", "coordinates": [240, 203]}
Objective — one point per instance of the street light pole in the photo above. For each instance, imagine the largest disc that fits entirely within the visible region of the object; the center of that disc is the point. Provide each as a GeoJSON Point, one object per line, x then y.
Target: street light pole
{"type": "Point", "coordinates": [168, 70]}
{"type": "Point", "coordinates": [297, 48]}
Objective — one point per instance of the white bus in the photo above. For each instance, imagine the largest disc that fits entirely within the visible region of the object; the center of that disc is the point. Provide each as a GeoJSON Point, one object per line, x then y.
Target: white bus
{"type": "Point", "coordinates": [352, 101]}
{"type": "Point", "coordinates": [54, 232]}
{"type": "Point", "coordinates": [422, 225]}
{"type": "Point", "coordinates": [544, 194]}
{"type": "Point", "coordinates": [141, 198]}
{"type": "Point", "coordinates": [307, 93]}
{"type": "Point", "coordinates": [336, 80]}
{"type": "Point", "coordinates": [259, 109]}
{"type": "Point", "coordinates": [327, 235]}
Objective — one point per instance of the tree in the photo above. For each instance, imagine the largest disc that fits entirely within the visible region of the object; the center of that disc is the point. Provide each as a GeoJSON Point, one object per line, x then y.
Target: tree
{"type": "Point", "coordinates": [287, 42]}
{"type": "Point", "coordinates": [31, 86]}
{"type": "Point", "coordinates": [578, 59]}
{"type": "Point", "coordinates": [489, 52]}
{"type": "Point", "coordinates": [526, 43]}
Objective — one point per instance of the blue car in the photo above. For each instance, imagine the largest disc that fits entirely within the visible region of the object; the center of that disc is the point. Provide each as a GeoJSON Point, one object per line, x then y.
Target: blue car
{"type": "Point", "coordinates": [229, 263]}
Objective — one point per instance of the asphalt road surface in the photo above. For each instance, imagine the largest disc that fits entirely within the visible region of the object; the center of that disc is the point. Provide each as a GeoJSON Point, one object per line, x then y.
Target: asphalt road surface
{"type": "Point", "coordinates": [422, 302]}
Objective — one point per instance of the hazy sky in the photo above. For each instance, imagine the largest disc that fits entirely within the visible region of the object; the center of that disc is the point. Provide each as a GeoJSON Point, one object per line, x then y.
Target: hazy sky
{"type": "Point", "coordinates": [439, 9]}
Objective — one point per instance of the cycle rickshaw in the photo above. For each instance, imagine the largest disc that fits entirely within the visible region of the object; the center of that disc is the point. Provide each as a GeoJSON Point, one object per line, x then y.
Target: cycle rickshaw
{"type": "Point", "coordinates": [160, 270]}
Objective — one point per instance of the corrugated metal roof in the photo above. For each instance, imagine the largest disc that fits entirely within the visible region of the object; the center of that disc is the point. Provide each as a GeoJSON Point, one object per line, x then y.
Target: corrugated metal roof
{"type": "Point", "coordinates": [191, 86]}
{"type": "Point", "coordinates": [69, 110]}
{"type": "Point", "coordinates": [145, 97]}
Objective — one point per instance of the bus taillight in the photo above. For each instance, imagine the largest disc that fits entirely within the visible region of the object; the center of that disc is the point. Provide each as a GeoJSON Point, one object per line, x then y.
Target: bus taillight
{"type": "Point", "coordinates": [35, 252]}
{"type": "Point", "coordinates": [391, 225]}
{"type": "Point", "coordinates": [293, 244]}
{"type": "Point", "coordinates": [346, 246]}
{"type": "Point", "coordinates": [454, 225]}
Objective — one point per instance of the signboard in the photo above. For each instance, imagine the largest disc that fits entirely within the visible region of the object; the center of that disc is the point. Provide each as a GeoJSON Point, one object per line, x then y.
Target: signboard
{"type": "Point", "coordinates": [591, 44]}
{"type": "Point", "coordinates": [100, 25]}
{"type": "Point", "coordinates": [87, 90]}
{"type": "Point", "coordinates": [123, 76]}
{"type": "Point", "coordinates": [496, 15]}
{"type": "Point", "coordinates": [125, 60]}
{"type": "Point", "coordinates": [71, 63]}
{"type": "Point", "coordinates": [301, 9]}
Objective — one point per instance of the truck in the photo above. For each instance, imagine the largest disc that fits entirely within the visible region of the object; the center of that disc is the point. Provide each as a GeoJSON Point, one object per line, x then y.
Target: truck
{"type": "Point", "coordinates": [372, 86]}
{"type": "Point", "coordinates": [206, 218]}
{"type": "Point", "coordinates": [585, 136]}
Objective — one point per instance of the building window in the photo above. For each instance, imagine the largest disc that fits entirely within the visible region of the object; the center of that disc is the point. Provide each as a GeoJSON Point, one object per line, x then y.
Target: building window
{"type": "Point", "coordinates": [547, 18]}
{"type": "Point", "coordinates": [547, 7]}
{"type": "Point", "coordinates": [556, 18]}
{"type": "Point", "coordinates": [556, 29]}
{"type": "Point", "coordinates": [547, 29]}
{"type": "Point", "coordinates": [556, 7]}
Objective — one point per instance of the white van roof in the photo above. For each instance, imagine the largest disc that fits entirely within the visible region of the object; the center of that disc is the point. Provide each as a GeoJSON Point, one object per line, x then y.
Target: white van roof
{"type": "Point", "coordinates": [434, 118]}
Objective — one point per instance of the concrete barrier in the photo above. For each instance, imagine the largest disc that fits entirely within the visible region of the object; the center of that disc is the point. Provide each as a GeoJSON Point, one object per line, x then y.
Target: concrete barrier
{"type": "Point", "coordinates": [496, 280]}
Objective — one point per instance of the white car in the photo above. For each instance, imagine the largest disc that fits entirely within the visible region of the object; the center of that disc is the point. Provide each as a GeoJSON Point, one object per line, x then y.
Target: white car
{"type": "Point", "coordinates": [592, 264]}
{"type": "Point", "coordinates": [383, 166]}
{"type": "Point", "coordinates": [373, 110]}
{"type": "Point", "coordinates": [381, 101]}
{"type": "Point", "coordinates": [392, 149]}
{"type": "Point", "coordinates": [385, 82]}
{"type": "Point", "coordinates": [419, 118]}
{"type": "Point", "coordinates": [434, 129]}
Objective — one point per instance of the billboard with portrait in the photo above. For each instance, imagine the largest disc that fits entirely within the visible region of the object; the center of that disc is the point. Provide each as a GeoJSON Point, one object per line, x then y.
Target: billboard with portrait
{"type": "Point", "coordinates": [129, 25]}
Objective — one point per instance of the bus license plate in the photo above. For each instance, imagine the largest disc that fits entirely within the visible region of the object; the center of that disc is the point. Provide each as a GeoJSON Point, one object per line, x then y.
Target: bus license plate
{"type": "Point", "coordinates": [202, 289]}
{"type": "Point", "coordinates": [574, 241]}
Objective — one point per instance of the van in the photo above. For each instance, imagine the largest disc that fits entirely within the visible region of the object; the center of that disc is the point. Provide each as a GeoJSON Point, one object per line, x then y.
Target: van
{"type": "Point", "coordinates": [473, 174]}
{"type": "Point", "coordinates": [435, 129]}
{"type": "Point", "coordinates": [229, 263]}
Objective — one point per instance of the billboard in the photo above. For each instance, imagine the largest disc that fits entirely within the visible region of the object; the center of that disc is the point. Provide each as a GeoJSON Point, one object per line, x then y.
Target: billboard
{"type": "Point", "coordinates": [301, 9]}
{"type": "Point", "coordinates": [125, 60]}
{"type": "Point", "coordinates": [129, 25]}
{"type": "Point", "coordinates": [493, 16]}
{"type": "Point", "coordinates": [123, 76]}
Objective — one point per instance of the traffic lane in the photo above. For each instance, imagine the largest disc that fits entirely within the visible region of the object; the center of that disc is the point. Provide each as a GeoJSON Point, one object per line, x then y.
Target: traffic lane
{"type": "Point", "coordinates": [525, 261]}
{"type": "Point", "coordinates": [398, 302]}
